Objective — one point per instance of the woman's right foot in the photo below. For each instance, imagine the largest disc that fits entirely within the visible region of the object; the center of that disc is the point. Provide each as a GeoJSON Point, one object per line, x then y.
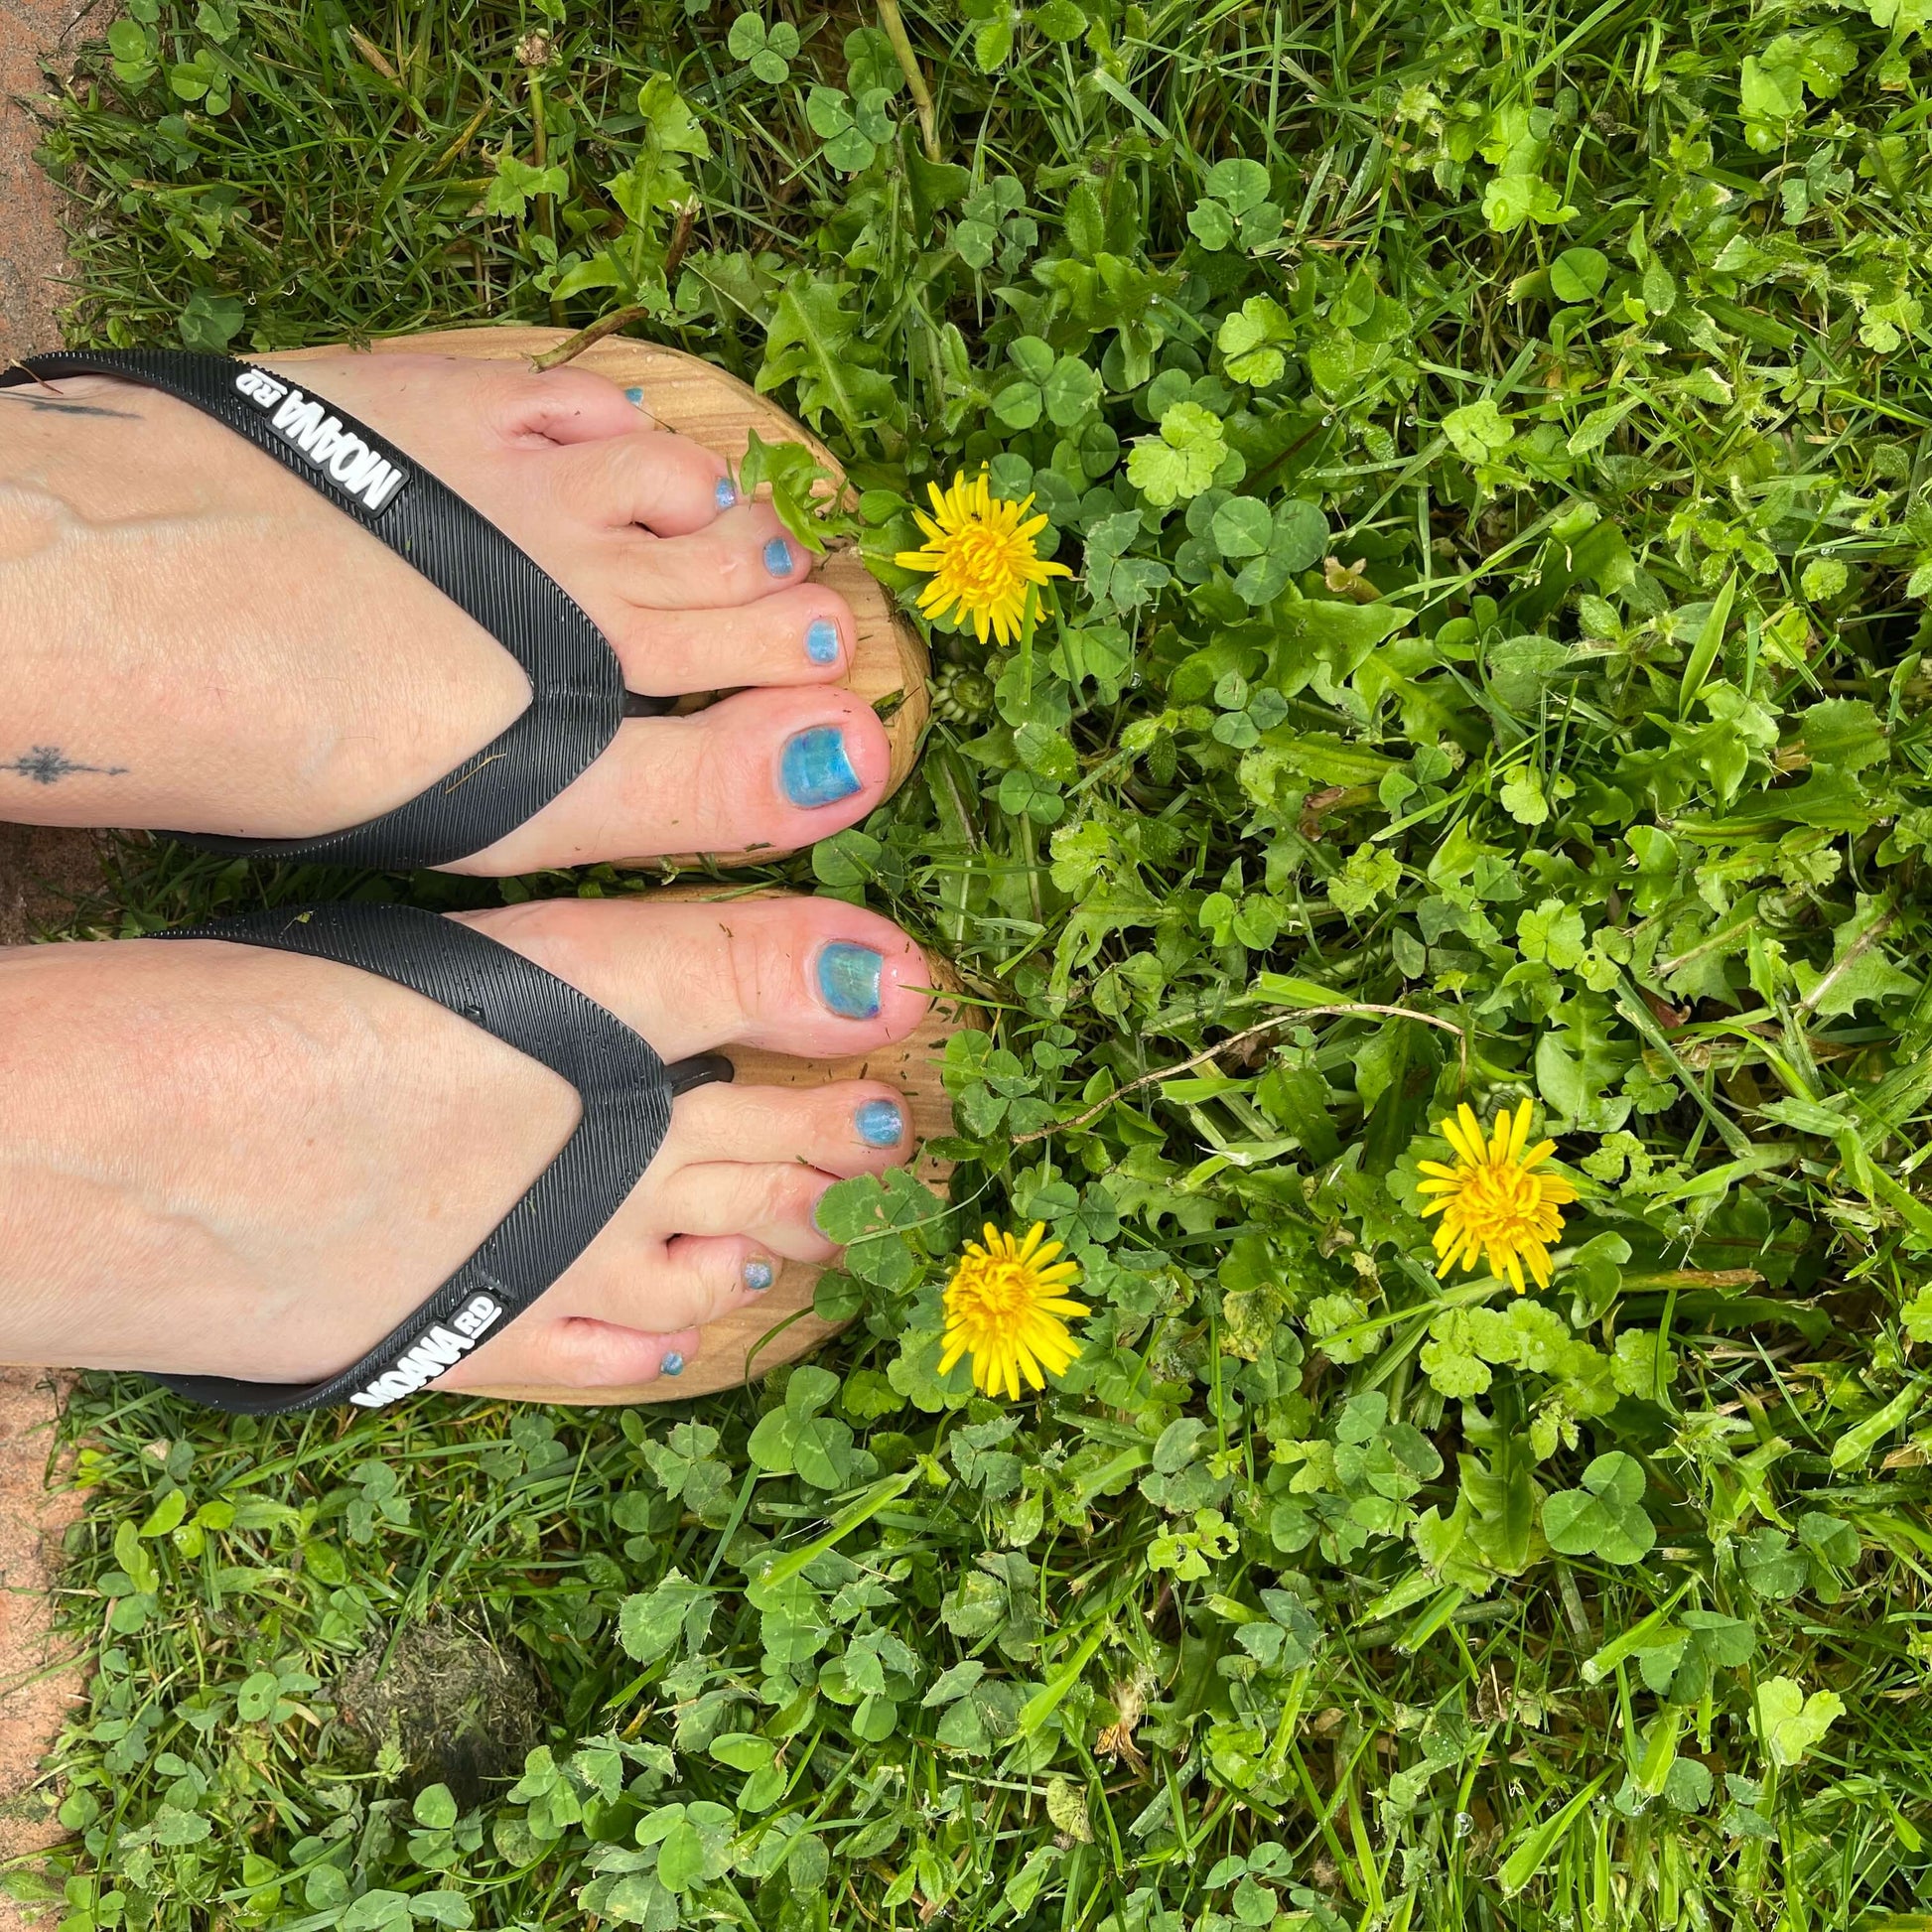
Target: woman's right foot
{"type": "Point", "coordinates": [222, 1160]}
{"type": "Point", "coordinates": [196, 640]}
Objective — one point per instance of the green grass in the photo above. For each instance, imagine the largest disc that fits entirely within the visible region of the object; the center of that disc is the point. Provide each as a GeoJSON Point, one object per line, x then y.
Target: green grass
{"type": "Point", "coordinates": [1495, 442]}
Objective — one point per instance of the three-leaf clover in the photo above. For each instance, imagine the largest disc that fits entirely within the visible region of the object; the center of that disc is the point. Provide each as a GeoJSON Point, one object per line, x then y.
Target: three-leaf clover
{"type": "Point", "coordinates": [852, 126]}
{"type": "Point", "coordinates": [797, 1438]}
{"type": "Point", "coordinates": [767, 51]}
{"type": "Point", "coordinates": [1063, 388]}
{"type": "Point", "coordinates": [1792, 1723]}
{"type": "Point", "coordinates": [1236, 202]}
{"type": "Point", "coordinates": [1248, 339]}
{"type": "Point", "coordinates": [1606, 1517]}
{"type": "Point", "coordinates": [518, 184]}
{"type": "Point", "coordinates": [989, 216]}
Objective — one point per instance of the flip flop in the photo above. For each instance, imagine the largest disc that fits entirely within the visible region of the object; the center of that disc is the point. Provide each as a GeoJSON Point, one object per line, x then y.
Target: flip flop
{"type": "Point", "coordinates": [578, 697]}
{"type": "Point", "coordinates": [627, 1093]}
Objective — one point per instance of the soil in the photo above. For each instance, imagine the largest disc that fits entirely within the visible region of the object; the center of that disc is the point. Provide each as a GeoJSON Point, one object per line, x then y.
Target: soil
{"type": "Point", "coordinates": [42, 872]}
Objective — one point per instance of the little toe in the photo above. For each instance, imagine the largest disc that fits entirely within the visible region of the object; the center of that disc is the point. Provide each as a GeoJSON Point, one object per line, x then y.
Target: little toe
{"type": "Point", "coordinates": [573, 1352]}
{"type": "Point", "coordinates": [567, 406]}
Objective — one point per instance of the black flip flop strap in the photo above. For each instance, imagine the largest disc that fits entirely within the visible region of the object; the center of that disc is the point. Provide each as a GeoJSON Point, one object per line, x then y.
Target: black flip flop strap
{"type": "Point", "coordinates": [627, 1093]}
{"type": "Point", "coordinates": [576, 689]}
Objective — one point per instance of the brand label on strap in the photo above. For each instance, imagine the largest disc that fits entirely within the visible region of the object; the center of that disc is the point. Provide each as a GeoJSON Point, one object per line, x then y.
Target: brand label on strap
{"type": "Point", "coordinates": [372, 477]}
{"type": "Point", "coordinates": [442, 1348]}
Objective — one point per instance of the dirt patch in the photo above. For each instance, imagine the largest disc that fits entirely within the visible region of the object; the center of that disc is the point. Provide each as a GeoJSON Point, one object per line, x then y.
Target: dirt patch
{"type": "Point", "coordinates": [455, 1707]}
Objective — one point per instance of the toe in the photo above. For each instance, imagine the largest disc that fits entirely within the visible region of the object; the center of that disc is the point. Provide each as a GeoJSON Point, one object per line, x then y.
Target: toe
{"type": "Point", "coordinates": [684, 1284]}
{"type": "Point", "coordinates": [573, 1352]}
{"type": "Point", "coordinates": [795, 637]}
{"type": "Point", "coordinates": [646, 480]}
{"type": "Point", "coordinates": [765, 771]}
{"type": "Point", "coordinates": [812, 977]}
{"type": "Point", "coordinates": [562, 407]}
{"type": "Point", "coordinates": [846, 1128]}
{"type": "Point", "coordinates": [771, 1203]}
{"type": "Point", "coordinates": [738, 557]}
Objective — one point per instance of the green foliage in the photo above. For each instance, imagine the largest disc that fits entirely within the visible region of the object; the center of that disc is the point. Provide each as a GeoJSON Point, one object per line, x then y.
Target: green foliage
{"type": "Point", "coordinates": [1491, 452]}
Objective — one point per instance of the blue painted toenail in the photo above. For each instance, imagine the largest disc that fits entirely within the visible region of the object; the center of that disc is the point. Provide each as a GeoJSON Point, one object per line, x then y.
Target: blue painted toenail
{"type": "Point", "coordinates": [726, 495]}
{"type": "Point", "coordinates": [634, 397]}
{"type": "Point", "coordinates": [822, 642]}
{"type": "Point", "coordinates": [777, 557]}
{"type": "Point", "coordinates": [881, 1124]}
{"type": "Point", "coordinates": [759, 1275]}
{"type": "Point", "coordinates": [848, 979]}
{"type": "Point", "coordinates": [814, 768]}
{"type": "Point", "coordinates": [674, 1363]}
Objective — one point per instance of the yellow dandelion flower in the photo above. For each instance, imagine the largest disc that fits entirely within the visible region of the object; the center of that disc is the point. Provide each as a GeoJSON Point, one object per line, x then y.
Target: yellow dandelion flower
{"type": "Point", "coordinates": [980, 549]}
{"type": "Point", "coordinates": [1005, 1309]}
{"type": "Point", "coordinates": [1494, 1206]}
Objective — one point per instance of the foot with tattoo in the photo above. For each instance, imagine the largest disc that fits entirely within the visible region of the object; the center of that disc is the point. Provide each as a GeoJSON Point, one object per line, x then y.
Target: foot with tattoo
{"type": "Point", "coordinates": [198, 640]}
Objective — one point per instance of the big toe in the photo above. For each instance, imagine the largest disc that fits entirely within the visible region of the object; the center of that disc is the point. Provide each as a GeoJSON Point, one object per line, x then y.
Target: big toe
{"type": "Point", "coordinates": [768, 771]}
{"type": "Point", "coordinates": [805, 977]}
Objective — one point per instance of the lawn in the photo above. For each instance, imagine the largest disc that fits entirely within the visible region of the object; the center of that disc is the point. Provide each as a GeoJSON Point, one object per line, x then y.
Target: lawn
{"type": "Point", "coordinates": [1495, 442]}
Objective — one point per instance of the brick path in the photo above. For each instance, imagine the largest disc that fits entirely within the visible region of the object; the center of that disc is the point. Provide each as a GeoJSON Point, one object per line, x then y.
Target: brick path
{"type": "Point", "coordinates": [38, 872]}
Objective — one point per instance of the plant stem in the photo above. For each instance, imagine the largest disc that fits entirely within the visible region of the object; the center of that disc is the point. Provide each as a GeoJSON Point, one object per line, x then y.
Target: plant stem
{"type": "Point", "coordinates": [546, 203]}
{"type": "Point", "coordinates": [908, 64]}
{"type": "Point", "coordinates": [573, 346]}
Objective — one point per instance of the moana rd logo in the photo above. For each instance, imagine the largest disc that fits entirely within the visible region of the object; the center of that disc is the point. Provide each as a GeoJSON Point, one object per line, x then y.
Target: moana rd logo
{"type": "Point", "coordinates": [373, 476]}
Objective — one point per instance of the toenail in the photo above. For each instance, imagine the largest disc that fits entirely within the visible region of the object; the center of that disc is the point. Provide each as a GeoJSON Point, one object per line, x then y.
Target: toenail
{"type": "Point", "coordinates": [674, 1363]}
{"type": "Point", "coordinates": [880, 1122]}
{"type": "Point", "coordinates": [634, 397]}
{"type": "Point", "coordinates": [725, 493]}
{"type": "Point", "coordinates": [777, 557]}
{"type": "Point", "coordinates": [822, 642]}
{"type": "Point", "coordinates": [848, 979]}
{"type": "Point", "coordinates": [759, 1275]}
{"type": "Point", "coordinates": [814, 768]}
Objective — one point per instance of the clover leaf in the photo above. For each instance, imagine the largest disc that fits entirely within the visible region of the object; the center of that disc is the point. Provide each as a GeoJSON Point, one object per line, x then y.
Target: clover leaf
{"type": "Point", "coordinates": [1606, 1517]}
{"type": "Point", "coordinates": [852, 126]}
{"type": "Point", "coordinates": [796, 1438]}
{"type": "Point", "coordinates": [767, 51]}
{"type": "Point", "coordinates": [1792, 1723]}
{"type": "Point", "coordinates": [1181, 460]}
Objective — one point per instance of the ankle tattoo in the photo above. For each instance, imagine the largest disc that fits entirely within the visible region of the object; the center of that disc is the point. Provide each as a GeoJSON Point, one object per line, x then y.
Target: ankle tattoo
{"type": "Point", "coordinates": [47, 765]}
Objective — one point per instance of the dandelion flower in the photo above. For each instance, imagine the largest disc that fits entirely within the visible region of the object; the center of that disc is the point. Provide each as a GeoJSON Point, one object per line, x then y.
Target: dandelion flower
{"type": "Point", "coordinates": [1494, 1206]}
{"type": "Point", "coordinates": [980, 550]}
{"type": "Point", "coordinates": [1005, 1309]}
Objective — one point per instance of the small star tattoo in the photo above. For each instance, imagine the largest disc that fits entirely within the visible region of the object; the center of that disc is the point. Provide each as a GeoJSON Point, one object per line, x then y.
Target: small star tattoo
{"type": "Point", "coordinates": [47, 765]}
